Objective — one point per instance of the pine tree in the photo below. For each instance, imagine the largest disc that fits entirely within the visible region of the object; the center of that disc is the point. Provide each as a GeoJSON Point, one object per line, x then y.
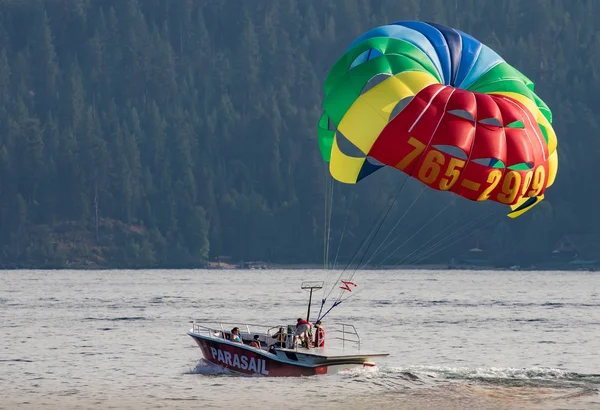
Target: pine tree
{"type": "Point", "coordinates": [5, 79]}
{"type": "Point", "coordinates": [45, 70]}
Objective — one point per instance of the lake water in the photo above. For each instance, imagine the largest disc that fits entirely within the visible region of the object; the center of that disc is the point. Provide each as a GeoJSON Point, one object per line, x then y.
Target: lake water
{"type": "Point", "coordinates": [457, 339]}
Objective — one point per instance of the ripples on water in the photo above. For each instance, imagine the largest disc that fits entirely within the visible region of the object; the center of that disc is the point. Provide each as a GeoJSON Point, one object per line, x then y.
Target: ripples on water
{"type": "Point", "coordinates": [458, 340]}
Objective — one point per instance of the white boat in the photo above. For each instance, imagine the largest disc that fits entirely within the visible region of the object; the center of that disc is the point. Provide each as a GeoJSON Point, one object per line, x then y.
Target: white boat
{"type": "Point", "coordinates": [276, 358]}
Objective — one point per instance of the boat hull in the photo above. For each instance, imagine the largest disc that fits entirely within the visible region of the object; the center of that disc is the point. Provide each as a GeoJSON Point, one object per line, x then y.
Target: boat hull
{"type": "Point", "coordinates": [241, 358]}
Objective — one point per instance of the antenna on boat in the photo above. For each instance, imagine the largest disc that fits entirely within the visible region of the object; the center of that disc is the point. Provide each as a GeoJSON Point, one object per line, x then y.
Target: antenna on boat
{"type": "Point", "coordinates": [311, 286]}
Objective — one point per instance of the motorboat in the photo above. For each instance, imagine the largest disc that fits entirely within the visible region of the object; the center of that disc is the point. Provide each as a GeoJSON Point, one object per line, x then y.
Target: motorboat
{"type": "Point", "coordinates": [279, 353]}
{"type": "Point", "coordinates": [276, 357]}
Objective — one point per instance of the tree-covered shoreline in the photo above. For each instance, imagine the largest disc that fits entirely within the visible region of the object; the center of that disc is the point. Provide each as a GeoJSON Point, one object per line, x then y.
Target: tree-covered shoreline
{"type": "Point", "coordinates": [165, 133]}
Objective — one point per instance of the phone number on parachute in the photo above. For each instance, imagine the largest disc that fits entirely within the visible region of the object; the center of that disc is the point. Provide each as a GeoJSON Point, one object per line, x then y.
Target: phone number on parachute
{"type": "Point", "coordinates": [442, 171]}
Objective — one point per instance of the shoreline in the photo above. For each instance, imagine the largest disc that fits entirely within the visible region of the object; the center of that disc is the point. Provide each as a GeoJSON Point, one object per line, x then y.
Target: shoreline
{"type": "Point", "coordinates": [307, 266]}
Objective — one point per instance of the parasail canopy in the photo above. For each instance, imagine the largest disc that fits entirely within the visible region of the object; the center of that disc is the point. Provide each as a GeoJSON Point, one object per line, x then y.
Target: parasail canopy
{"type": "Point", "coordinates": [443, 108]}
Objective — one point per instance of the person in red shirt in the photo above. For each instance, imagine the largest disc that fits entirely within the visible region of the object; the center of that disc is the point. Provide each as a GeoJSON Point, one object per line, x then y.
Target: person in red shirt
{"type": "Point", "coordinates": [319, 335]}
{"type": "Point", "coordinates": [302, 332]}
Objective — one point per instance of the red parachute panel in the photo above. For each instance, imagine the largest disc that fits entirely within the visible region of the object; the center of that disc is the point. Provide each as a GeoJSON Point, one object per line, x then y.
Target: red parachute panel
{"type": "Point", "coordinates": [476, 124]}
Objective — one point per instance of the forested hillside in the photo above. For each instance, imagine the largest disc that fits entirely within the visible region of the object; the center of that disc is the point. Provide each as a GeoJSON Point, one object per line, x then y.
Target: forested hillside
{"type": "Point", "coordinates": [162, 133]}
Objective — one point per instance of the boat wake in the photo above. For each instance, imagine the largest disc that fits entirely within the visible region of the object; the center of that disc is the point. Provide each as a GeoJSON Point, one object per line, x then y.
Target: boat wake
{"type": "Point", "coordinates": [519, 387]}
{"type": "Point", "coordinates": [452, 388]}
{"type": "Point", "coordinates": [503, 376]}
{"type": "Point", "coordinates": [494, 373]}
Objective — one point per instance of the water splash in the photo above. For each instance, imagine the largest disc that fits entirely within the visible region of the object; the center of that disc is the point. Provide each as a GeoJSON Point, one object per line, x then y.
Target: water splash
{"type": "Point", "coordinates": [206, 368]}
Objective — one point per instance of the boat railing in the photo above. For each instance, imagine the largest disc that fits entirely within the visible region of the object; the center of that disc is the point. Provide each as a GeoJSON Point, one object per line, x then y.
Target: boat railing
{"type": "Point", "coordinates": [219, 329]}
{"type": "Point", "coordinates": [348, 334]}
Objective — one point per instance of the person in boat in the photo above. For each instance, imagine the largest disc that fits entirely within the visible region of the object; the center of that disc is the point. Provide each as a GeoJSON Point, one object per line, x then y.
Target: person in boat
{"type": "Point", "coordinates": [280, 336]}
{"type": "Point", "coordinates": [235, 335]}
{"type": "Point", "coordinates": [256, 342]}
{"type": "Point", "coordinates": [319, 335]}
{"type": "Point", "coordinates": [303, 332]}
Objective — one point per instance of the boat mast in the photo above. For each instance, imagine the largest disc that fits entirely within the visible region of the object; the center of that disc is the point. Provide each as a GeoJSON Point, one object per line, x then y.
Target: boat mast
{"type": "Point", "coordinates": [310, 286]}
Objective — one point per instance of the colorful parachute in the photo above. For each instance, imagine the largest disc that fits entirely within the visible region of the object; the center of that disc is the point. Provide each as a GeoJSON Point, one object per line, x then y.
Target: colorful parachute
{"type": "Point", "coordinates": [442, 107]}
